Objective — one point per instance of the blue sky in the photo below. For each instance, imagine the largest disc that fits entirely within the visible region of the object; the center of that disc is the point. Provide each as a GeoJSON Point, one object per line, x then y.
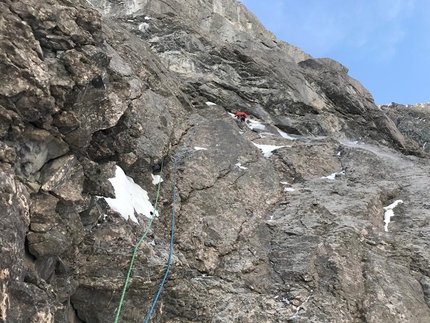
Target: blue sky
{"type": "Point", "coordinates": [385, 44]}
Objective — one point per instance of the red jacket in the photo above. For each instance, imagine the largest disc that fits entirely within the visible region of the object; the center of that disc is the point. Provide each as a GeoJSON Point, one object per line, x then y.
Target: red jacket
{"type": "Point", "coordinates": [241, 114]}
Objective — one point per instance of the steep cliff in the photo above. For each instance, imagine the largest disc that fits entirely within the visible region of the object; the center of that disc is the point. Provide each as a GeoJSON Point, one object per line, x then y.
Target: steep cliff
{"type": "Point", "coordinates": [413, 121]}
{"type": "Point", "coordinates": [278, 219]}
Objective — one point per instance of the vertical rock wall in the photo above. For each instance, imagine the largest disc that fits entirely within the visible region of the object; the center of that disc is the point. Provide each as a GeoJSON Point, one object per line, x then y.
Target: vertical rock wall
{"type": "Point", "coordinates": [296, 234]}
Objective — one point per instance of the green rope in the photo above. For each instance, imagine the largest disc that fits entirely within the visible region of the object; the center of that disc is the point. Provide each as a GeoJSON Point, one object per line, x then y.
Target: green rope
{"type": "Point", "coordinates": [172, 235]}
{"type": "Point", "coordinates": [137, 246]}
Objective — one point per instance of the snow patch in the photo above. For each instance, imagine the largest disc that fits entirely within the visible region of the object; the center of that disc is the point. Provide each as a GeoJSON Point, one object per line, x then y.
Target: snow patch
{"type": "Point", "coordinates": [393, 205]}
{"type": "Point", "coordinates": [285, 135]}
{"type": "Point", "coordinates": [289, 189]}
{"type": "Point", "coordinates": [265, 134]}
{"type": "Point", "coordinates": [240, 166]}
{"type": "Point", "coordinates": [129, 197]}
{"type": "Point", "coordinates": [299, 308]}
{"type": "Point", "coordinates": [255, 125]}
{"type": "Point", "coordinates": [156, 179]}
{"type": "Point", "coordinates": [209, 103]}
{"type": "Point", "coordinates": [144, 26]}
{"type": "Point", "coordinates": [285, 183]}
{"type": "Point", "coordinates": [200, 148]}
{"type": "Point", "coordinates": [267, 149]}
{"type": "Point", "coordinates": [333, 176]}
{"type": "Point", "coordinates": [389, 213]}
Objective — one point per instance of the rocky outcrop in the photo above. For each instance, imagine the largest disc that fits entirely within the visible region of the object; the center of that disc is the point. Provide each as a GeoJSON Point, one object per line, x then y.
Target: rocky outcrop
{"type": "Point", "coordinates": [246, 68]}
{"type": "Point", "coordinates": [70, 106]}
{"type": "Point", "coordinates": [413, 121]}
{"type": "Point", "coordinates": [279, 219]}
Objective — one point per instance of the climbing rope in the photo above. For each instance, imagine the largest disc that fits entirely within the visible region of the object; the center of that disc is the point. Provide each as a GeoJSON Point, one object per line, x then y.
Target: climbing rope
{"type": "Point", "coordinates": [169, 260]}
{"type": "Point", "coordinates": [137, 247]}
{"type": "Point", "coordinates": [154, 302]}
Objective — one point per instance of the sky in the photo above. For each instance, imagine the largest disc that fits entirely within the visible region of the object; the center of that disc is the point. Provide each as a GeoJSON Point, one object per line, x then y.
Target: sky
{"type": "Point", "coordinates": [385, 44]}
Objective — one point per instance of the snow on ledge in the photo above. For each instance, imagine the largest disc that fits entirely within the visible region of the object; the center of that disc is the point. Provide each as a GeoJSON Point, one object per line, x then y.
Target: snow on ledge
{"type": "Point", "coordinates": [156, 179]}
{"type": "Point", "coordinates": [263, 135]}
{"type": "Point", "coordinates": [200, 148]}
{"type": "Point", "coordinates": [267, 149]}
{"type": "Point", "coordinates": [333, 176]}
{"type": "Point", "coordinates": [389, 213]}
{"type": "Point", "coordinates": [252, 124]}
{"type": "Point", "coordinates": [296, 314]}
{"type": "Point", "coordinates": [285, 135]}
{"type": "Point", "coordinates": [144, 26]}
{"type": "Point", "coordinates": [208, 103]}
{"type": "Point", "coordinates": [240, 166]}
{"type": "Point", "coordinates": [129, 197]}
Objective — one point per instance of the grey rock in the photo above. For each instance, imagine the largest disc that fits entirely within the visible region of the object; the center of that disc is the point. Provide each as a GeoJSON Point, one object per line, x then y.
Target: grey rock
{"type": "Point", "coordinates": [7, 153]}
{"type": "Point", "coordinates": [412, 121]}
{"type": "Point", "coordinates": [55, 227]}
{"type": "Point", "coordinates": [295, 237]}
{"type": "Point", "coordinates": [63, 176]}
{"type": "Point", "coordinates": [425, 284]}
{"type": "Point", "coordinates": [38, 146]}
{"type": "Point", "coordinates": [97, 178]}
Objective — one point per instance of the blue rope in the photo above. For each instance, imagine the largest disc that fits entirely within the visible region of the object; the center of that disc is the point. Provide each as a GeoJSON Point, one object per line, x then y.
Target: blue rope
{"type": "Point", "coordinates": [169, 260]}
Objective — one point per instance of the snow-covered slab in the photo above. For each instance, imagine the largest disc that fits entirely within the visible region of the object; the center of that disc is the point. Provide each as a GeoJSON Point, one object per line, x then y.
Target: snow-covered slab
{"type": "Point", "coordinates": [265, 134]}
{"type": "Point", "coordinates": [129, 197]}
{"type": "Point", "coordinates": [144, 26]}
{"type": "Point", "coordinates": [296, 314]}
{"type": "Point", "coordinates": [240, 166]}
{"type": "Point", "coordinates": [333, 175]}
{"type": "Point", "coordinates": [285, 135]}
{"type": "Point", "coordinates": [393, 205]}
{"type": "Point", "coordinates": [390, 213]}
{"type": "Point", "coordinates": [267, 149]}
{"type": "Point", "coordinates": [255, 125]}
{"type": "Point", "coordinates": [200, 148]}
{"type": "Point", "coordinates": [209, 103]}
{"type": "Point", "coordinates": [156, 179]}
{"type": "Point", "coordinates": [289, 189]}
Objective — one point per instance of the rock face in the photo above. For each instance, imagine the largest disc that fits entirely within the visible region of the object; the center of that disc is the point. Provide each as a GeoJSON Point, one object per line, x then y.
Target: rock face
{"type": "Point", "coordinates": [279, 219]}
{"type": "Point", "coordinates": [413, 121]}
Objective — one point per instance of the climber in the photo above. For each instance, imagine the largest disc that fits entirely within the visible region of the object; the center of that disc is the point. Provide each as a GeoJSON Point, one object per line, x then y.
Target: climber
{"type": "Point", "coordinates": [241, 116]}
